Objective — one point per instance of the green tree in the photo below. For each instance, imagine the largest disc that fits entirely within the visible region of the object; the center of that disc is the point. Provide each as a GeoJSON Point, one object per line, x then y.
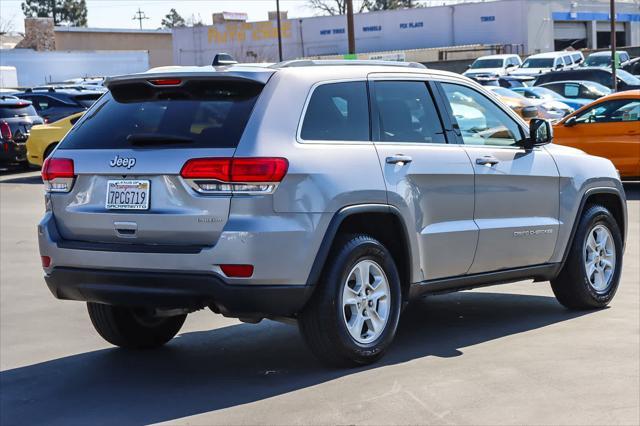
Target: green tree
{"type": "Point", "coordinates": [173, 20]}
{"type": "Point", "coordinates": [67, 12]}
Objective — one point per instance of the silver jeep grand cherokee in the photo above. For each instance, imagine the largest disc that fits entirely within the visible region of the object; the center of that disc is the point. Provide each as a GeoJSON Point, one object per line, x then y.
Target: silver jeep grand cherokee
{"type": "Point", "coordinates": [324, 192]}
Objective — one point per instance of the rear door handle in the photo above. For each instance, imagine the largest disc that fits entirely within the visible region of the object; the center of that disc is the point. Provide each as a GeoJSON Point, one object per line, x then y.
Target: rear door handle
{"type": "Point", "coordinates": [487, 160]}
{"type": "Point", "coordinates": [399, 159]}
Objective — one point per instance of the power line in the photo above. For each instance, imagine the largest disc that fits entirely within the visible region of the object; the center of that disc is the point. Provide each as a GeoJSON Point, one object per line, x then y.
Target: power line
{"type": "Point", "coordinates": [139, 16]}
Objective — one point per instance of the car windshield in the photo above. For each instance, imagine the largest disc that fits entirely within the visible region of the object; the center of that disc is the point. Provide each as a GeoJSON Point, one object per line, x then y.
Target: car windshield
{"type": "Point", "coordinates": [545, 93]}
{"type": "Point", "coordinates": [598, 61]}
{"type": "Point", "coordinates": [628, 78]}
{"type": "Point", "coordinates": [17, 110]}
{"type": "Point", "coordinates": [501, 91]}
{"type": "Point", "coordinates": [487, 63]}
{"type": "Point", "coordinates": [538, 63]}
{"type": "Point", "coordinates": [597, 88]}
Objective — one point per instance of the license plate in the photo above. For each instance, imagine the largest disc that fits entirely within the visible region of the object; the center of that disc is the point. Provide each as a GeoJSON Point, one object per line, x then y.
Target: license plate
{"type": "Point", "coordinates": [128, 195]}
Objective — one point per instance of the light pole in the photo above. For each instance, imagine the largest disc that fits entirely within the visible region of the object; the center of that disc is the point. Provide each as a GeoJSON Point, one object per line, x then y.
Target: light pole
{"type": "Point", "coordinates": [280, 30]}
{"type": "Point", "coordinates": [614, 83]}
{"type": "Point", "coordinates": [350, 33]}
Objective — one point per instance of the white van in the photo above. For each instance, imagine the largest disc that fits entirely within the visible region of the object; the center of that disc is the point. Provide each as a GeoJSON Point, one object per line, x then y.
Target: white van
{"type": "Point", "coordinates": [8, 77]}
{"type": "Point", "coordinates": [550, 61]}
{"type": "Point", "coordinates": [493, 66]}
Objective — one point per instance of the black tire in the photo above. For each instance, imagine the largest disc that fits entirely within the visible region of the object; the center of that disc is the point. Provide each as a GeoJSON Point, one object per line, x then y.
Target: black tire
{"type": "Point", "coordinates": [49, 150]}
{"type": "Point", "coordinates": [572, 287]}
{"type": "Point", "coordinates": [323, 321]}
{"type": "Point", "coordinates": [133, 328]}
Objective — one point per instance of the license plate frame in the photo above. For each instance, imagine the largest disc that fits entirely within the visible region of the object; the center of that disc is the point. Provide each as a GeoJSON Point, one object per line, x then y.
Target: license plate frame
{"type": "Point", "coordinates": [121, 187]}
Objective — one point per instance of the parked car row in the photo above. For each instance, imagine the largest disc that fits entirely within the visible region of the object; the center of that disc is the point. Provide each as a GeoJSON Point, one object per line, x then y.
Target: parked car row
{"type": "Point", "coordinates": [23, 114]}
{"type": "Point", "coordinates": [575, 94]}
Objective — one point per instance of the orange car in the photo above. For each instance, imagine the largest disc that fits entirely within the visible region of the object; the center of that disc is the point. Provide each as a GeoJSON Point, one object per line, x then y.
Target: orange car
{"type": "Point", "coordinates": [608, 127]}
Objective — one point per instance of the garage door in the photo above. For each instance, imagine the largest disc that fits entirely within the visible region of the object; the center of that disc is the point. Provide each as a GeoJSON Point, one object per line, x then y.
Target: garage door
{"type": "Point", "coordinates": [569, 30]}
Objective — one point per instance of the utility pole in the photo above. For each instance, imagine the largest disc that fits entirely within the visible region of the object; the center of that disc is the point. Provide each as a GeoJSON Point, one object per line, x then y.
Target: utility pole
{"type": "Point", "coordinates": [139, 16]}
{"type": "Point", "coordinates": [280, 30]}
{"type": "Point", "coordinates": [614, 83]}
{"type": "Point", "coordinates": [350, 32]}
{"type": "Point", "coordinates": [53, 12]}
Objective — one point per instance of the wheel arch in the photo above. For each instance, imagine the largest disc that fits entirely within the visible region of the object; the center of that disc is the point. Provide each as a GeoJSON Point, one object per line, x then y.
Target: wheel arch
{"type": "Point", "coordinates": [381, 221]}
{"type": "Point", "coordinates": [609, 197]}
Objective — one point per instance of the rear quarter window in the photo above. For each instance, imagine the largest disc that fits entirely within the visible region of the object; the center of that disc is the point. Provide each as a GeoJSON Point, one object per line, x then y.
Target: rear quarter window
{"type": "Point", "coordinates": [337, 112]}
{"type": "Point", "coordinates": [200, 114]}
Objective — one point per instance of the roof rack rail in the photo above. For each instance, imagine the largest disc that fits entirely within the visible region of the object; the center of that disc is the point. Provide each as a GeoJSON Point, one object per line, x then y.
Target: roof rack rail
{"type": "Point", "coordinates": [334, 62]}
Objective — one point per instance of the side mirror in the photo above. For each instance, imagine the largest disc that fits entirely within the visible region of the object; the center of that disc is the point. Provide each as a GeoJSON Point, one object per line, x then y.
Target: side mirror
{"type": "Point", "coordinates": [469, 66]}
{"type": "Point", "coordinates": [559, 66]}
{"type": "Point", "coordinates": [571, 121]}
{"type": "Point", "coordinates": [540, 133]}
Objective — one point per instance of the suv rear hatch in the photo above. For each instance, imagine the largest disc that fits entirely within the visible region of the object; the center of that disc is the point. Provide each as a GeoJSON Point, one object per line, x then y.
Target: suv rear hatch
{"type": "Point", "coordinates": [127, 153]}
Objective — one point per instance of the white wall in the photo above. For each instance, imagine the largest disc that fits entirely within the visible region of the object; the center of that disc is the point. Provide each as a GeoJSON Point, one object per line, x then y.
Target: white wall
{"type": "Point", "coordinates": [520, 22]}
{"type": "Point", "coordinates": [326, 35]}
{"type": "Point", "coordinates": [36, 68]}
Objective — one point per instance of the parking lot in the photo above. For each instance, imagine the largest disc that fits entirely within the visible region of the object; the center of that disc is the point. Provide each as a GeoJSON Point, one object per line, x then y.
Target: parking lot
{"type": "Point", "coordinates": [497, 355]}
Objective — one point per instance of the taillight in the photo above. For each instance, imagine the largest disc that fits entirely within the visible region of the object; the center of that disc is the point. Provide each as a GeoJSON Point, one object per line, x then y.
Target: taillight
{"type": "Point", "coordinates": [242, 175]}
{"type": "Point", "coordinates": [5, 131]}
{"type": "Point", "coordinates": [58, 174]}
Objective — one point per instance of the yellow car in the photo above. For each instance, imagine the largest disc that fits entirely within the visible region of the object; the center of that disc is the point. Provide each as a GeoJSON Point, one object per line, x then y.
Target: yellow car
{"type": "Point", "coordinates": [44, 138]}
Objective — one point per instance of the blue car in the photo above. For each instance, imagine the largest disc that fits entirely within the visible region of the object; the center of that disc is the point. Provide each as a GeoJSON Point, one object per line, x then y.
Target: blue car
{"type": "Point", "coordinates": [548, 94]}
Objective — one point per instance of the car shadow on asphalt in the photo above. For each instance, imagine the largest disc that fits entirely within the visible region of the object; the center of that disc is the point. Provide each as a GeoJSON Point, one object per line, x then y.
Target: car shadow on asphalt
{"type": "Point", "coordinates": [200, 372]}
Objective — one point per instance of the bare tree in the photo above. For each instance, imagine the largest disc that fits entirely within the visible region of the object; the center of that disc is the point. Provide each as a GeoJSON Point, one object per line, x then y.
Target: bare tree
{"type": "Point", "coordinates": [6, 25]}
{"type": "Point", "coordinates": [337, 7]}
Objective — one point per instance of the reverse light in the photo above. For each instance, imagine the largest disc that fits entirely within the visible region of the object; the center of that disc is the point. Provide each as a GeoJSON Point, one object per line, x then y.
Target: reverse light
{"type": "Point", "coordinates": [241, 175]}
{"type": "Point", "coordinates": [58, 174]}
{"type": "Point", "coordinates": [237, 271]}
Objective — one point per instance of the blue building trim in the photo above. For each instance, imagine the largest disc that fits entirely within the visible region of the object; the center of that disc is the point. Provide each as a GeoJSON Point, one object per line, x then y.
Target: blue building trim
{"type": "Point", "coordinates": [594, 16]}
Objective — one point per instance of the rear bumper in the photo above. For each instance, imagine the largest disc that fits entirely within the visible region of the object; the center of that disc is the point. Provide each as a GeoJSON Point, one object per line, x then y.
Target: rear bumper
{"type": "Point", "coordinates": [175, 290]}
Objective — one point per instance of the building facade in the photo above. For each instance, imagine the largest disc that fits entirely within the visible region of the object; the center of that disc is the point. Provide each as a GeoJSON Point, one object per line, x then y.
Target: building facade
{"type": "Point", "coordinates": [157, 42]}
{"type": "Point", "coordinates": [532, 26]}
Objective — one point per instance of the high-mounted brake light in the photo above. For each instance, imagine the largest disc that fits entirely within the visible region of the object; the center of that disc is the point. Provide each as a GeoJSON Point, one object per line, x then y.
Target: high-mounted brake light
{"type": "Point", "coordinates": [5, 131]}
{"type": "Point", "coordinates": [58, 174]}
{"type": "Point", "coordinates": [247, 175]}
{"type": "Point", "coordinates": [166, 81]}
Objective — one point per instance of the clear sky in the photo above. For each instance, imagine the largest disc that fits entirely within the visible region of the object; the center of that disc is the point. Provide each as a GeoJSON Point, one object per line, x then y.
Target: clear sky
{"type": "Point", "coordinates": [118, 13]}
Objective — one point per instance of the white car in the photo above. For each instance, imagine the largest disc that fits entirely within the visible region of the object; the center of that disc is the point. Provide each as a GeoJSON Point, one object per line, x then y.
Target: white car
{"type": "Point", "coordinates": [550, 61]}
{"type": "Point", "coordinates": [493, 66]}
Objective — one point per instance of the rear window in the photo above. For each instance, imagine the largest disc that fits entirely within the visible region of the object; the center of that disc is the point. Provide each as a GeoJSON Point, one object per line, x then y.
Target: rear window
{"type": "Point", "coordinates": [11, 111]}
{"type": "Point", "coordinates": [200, 114]}
{"type": "Point", "coordinates": [337, 112]}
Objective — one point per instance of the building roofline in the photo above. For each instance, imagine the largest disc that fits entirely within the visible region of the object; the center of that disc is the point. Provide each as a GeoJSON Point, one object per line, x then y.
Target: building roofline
{"type": "Point", "coordinates": [65, 29]}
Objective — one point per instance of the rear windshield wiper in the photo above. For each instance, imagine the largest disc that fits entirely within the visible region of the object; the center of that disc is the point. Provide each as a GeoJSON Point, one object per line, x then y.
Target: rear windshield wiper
{"type": "Point", "coordinates": [156, 139]}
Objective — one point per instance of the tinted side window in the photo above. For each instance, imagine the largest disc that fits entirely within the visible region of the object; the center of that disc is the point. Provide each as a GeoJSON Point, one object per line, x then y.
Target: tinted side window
{"type": "Point", "coordinates": [406, 112]}
{"type": "Point", "coordinates": [571, 91]}
{"type": "Point", "coordinates": [337, 112]}
{"type": "Point", "coordinates": [479, 120]}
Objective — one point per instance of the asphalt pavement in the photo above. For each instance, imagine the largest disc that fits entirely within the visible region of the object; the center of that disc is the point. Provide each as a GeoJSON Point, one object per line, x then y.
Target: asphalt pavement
{"type": "Point", "coordinates": [506, 354]}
